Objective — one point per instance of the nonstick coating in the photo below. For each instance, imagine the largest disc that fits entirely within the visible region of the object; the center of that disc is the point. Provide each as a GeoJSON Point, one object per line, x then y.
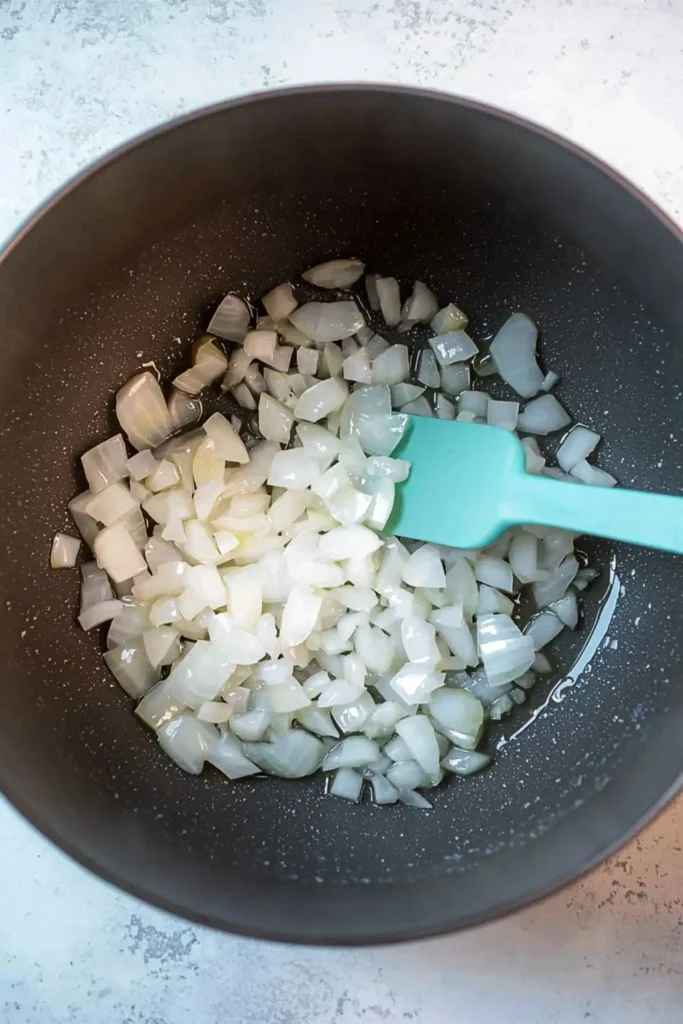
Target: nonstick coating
{"type": "Point", "coordinates": [123, 267]}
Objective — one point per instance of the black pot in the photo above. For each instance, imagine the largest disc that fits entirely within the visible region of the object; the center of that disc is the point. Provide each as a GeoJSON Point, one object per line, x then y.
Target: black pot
{"type": "Point", "coordinates": [124, 265]}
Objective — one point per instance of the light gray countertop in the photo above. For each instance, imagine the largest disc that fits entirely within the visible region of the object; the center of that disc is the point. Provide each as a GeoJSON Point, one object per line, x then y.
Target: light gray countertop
{"type": "Point", "coordinates": [80, 76]}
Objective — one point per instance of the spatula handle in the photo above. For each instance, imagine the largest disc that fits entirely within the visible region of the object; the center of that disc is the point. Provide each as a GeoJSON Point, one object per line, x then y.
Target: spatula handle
{"type": "Point", "coordinates": [652, 520]}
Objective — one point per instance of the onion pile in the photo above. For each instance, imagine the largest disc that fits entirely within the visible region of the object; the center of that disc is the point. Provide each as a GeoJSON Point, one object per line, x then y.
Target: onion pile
{"type": "Point", "coordinates": [258, 613]}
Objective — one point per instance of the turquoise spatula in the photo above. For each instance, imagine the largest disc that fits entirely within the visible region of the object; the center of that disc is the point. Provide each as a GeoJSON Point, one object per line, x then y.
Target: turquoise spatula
{"type": "Point", "coordinates": [468, 483]}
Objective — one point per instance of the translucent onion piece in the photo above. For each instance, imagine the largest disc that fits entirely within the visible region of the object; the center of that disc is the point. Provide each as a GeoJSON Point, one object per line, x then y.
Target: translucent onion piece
{"type": "Point", "coordinates": [502, 414]}
{"type": "Point", "coordinates": [292, 756]}
{"type": "Point", "coordinates": [95, 587]}
{"type": "Point", "coordinates": [544, 415]}
{"type": "Point", "coordinates": [226, 755]}
{"type": "Point", "coordinates": [106, 463]}
{"type": "Point", "coordinates": [188, 742]}
{"type": "Point", "coordinates": [346, 784]}
{"type": "Point", "coordinates": [117, 553]}
{"type": "Point", "coordinates": [184, 409]}
{"type": "Point", "coordinates": [323, 398]}
{"type": "Point", "coordinates": [392, 366]}
{"type": "Point", "coordinates": [465, 762]}
{"type": "Point", "coordinates": [86, 525]}
{"type": "Point", "coordinates": [421, 307]}
{"type": "Point", "coordinates": [64, 551]}
{"type": "Point", "coordinates": [454, 378]}
{"type": "Point", "coordinates": [228, 444]}
{"type": "Point", "coordinates": [210, 363]}
{"type": "Point", "coordinates": [371, 290]}
{"type": "Point", "coordinates": [231, 319]}
{"type": "Point", "coordinates": [334, 274]}
{"type": "Point", "coordinates": [428, 371]}
{"type": "Point", "coordinates": [131, 668]}
{"type": "Point", "coordinates": [142, 411]}
{"type": "Point", "coordinates": [353, 752]}
{"type": "Point", "coordinates": [567, 609]}
{"type": "Point", "coordinates": [328, 321]}
{"type": "Point", "coordinates": [494, 572]}
{"type": "Point", "coordinates": [280, 303]}
{"type": "Point", "coordinates": [458, 715]}
{"type": "Point", "coordinates": [514, 351]}
{"type": "Point", "coordinates": [543, 628]}
{"type": "Point", "coordinates": [389, 298]}
{"type": "Point", "coordinates": [99, 613]}
{"type": "Point", "coordinates": [275, 420]}
{"type": "Point", "coordinates": [591, 475]}
{"type": "Point", "coordinates": [556, 583]}
{"type": "Point", "coordinates": [448, 319]}
{"type": "Point", "coordinates": [505, 651]}
{"type": "Point", "coordinates": [576, 446]}
{"type": "Point", "coordinates": [454, 347]}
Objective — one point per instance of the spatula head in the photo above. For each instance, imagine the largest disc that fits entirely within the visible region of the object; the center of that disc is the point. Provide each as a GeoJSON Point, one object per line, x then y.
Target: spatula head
{"type": "Point", "coordinates": [459, 478]}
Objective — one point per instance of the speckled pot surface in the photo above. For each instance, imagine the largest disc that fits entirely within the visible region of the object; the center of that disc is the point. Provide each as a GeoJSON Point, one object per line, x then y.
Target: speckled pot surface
{"type": "Point", "coordinates": [122, 267]}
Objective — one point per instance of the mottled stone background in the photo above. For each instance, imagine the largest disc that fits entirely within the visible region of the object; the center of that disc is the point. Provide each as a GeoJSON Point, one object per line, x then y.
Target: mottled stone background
{"type": "Point", "coordinates": [80, 76]}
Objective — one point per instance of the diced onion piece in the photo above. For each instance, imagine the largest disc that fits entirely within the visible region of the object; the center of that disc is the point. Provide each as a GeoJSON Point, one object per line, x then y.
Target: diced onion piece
{"type": "Point", "coordinates": [392, 366]}
{"type": "Point", "coordinates": [106, 463]}
{"type": "Point", "coordinates": [421, 307]}
{"type": "Point", "coordinates": [86, 525]}
{"type": "Point", "coordinates": [495, 572]}
{"type": "Point", "coordinates": [346, 784]}
{"type": "Point", "coordinates": [428, 371]}
{"type": "Point", "coordinates": [401, 394]}
{"type": "Point", "coordinates": [227, 442]}
{"type": "Point", "coordinates": [141, 465]}
{"type": "Point", "coordinates": [105, 611]}
{"type": "Point", "coordinates": [210, 362]}
{"type": "Point", "coordinates": [184, 409]}
{"type": "Point", "coordinates": [424, 568]}
{"type": "Point", "coordinates": [505, 651]}
{"type": "Point", "coordinates": [445, 410]}
{"type": "Point", "coordinates": [307, 361]}
{"type": "Point", "coordinates": [227, 756]}
{"type": "Point", "coordinates": [592, 475]}
{"type": "Point", "coordinates": [418, 734]}
{"type": "Point", "coordinates": [543, 628]}
{"type": "Point", "coordinates": [328, 321]}
{"type": "Point", "coordinates": [280, 303]}
{"type": "Point", "coordinates": [117, 553]}
{"type": "Point", "coordinates": [465, 762]}
{"type": "Point", "coordinates": [64, 551]}
{"type": "Point", "coordinates": [371, 290]}
{"type": "Point", "coordinates": [514, 351]}
{"type": "Point", "coordinates": [502, 414]}
{"type": "Point", "coordinates": [454, 378]}
{"type": "Point", "coordinates": [334, 274]}
{"type": "Point", "coordinates": [261, 345]}
{"type": "Point", "coordinates": [323, 398]}
{"type": "Point", "coordinates": [200, 674]}
{"type": "Point", "coordinates": [458, 715]}
{"type": "Point", "coordinates": [448, 319]}
{"type": "Point", "coordinates": [553, 587]}
{"type": "Point", "coordinates": [188, 742]}
{"type": "Point", "coordinates": [544, 415]}
{"type": "Point", "coordinates": [231, 319]}
{"type": "Point", "coordinates": [275, 419]}
{"type": "Point", "coordinates": [142, 411]}
{"type": "Point", "coordinates": [389, 298]}
{"type": "Point", "coordinates": [576, 446]}
{"type": "Point", "coordinates": [567, 609]}
{"type": "Point", "coordinates": [454, 347]}
{"type": "Point", "coordinates": [131, 668]}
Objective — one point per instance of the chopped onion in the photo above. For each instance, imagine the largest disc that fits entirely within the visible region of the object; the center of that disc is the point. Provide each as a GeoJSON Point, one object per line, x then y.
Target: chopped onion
{"type": "Point", "coordinates": [142, 411]}
{"type": "Point", "coordinates": [454, 347]}
{"type": "Point", "coordinates": [576, 446]}
{"type": "Point", "coordinates": [117, 553]}
{"type": "Point", "coordinates": [502, 414]}
{"type": "Point", "coordinates": [514, 351]}
{"type": "Point", "coordinates": [328, 321]}
{"type": "Point", "coordinates": [543, 628]}
{"type": "Point", "coordinates": [334, 274]}
{"type": "Point", "coordinates": [448, 319]}
{"type": "Point", "coordinates": [553, 587]}
{"type": "Point", "coordinates": [428, 371]}
{"type": "Point", "coordinates": [421, 307]}
{"type": "Point", "coordinates": [591, 475]}
{"type": "Point", "coordinates": [231, 319]}
{"type": "Point", "coordinates": [505, 651]}
{"type": "Point", "coordinates": [389, 298]}
{"type": "Point", "coordinates": [105, 611]}
{"type": "Point", "coordinates": [544, 415]}
{"type": "Point", "coordinates": [458, 715]}
{"type": "Point", "coordinates": [280, 303]}
{"type": "Point", "coordinates": [392, 366]}
{"type": "Point", "coordinates": [106, 463]}
{"type": "Point", "coordinates": [321, 399]}
{"type": "Point", "coordinates": [209, 364]}
{"type": "Point", "coordinates": [64, 551]}
{"type": "Point", "coordinates": [275, 420]}
{"type": "Point", "coordinates": [131, 668]}
{"type": "Point", "coordinates": [228, 444]}
{"type": "Point", "coordinates": [455, 378]}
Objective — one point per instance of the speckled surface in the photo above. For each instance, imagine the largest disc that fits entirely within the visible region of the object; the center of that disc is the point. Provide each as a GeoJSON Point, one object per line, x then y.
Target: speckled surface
{"type": "Point", "coordinates": [79, 77]}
